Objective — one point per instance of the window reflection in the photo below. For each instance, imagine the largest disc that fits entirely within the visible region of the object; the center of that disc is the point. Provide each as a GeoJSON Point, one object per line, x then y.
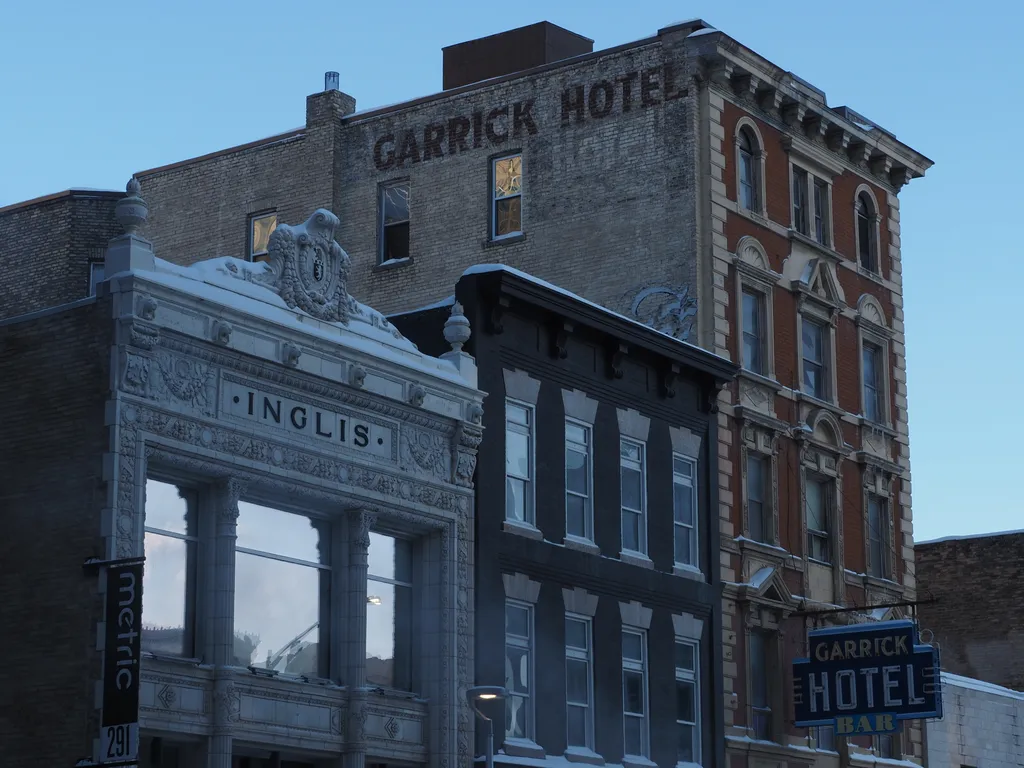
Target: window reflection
{"type": "Point", "coordinates": [281, 590]}
{"type": "Point", "coordinates": [389, 612]}
{"type": "Point", "coordinates": [168, 574]}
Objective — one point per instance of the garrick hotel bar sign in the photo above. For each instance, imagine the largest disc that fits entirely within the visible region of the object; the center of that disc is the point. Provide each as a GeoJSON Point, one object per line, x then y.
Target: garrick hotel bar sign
{"type": "Point", "coordinates": [866, 678]}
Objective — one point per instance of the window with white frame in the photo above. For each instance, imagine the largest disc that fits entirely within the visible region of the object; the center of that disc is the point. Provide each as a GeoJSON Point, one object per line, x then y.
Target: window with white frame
{"type": "Point", "coordinates": [749, 171]}
{"type": "Point", "coordinates": [579, 688]}
{"type": "Point", "coordinates": [801, 213]}
{"type": "Point", "coordinates": [812, 206]}
{"type": "Point", "coordinates": [394, 222]}
{"type": "Point", "coordinates": [688, 701]}
{"type": "Point", "coordinates": [633, 483]}
{"type": "Point", "coordinates": [579, 514]}
{"type": "Point", "coordinates": [634, 692]}
{"type": "Point", "coordinates": [168, 581]}
{"type": "Point", "coordinates": [762, 695]}
{"type": "Point", "coordinates": [519, 437]}
{"type": "Point", "coordinates": [817, 509]}
{"type": "Point", "coordinates": [822, 226]}
{"type": "Point", "coordinates": [872, 366]}
{"type": "Point", "coordinates": [684, 508]}
{"type": "Point", "coordinates": [389, 594]}
{"type": "Point", "coordinates": [518, 670]}
{"type": "Point", "coordinates": [867, 245]}
{"type": "Point", "coordinates": [754, 331]}
{"type": "Point", "coordinates": [261, 227]}
{"type": "Point", "coordinates": [879, 559]}
{"type": "Point", "coordinates": [282, 590]}
{"type": "Point", "coordinates": [507, 196]}
{"type": "Point", "coordinates": [760, 512]}
{"type": "Point", "coordinates": [814, 350]}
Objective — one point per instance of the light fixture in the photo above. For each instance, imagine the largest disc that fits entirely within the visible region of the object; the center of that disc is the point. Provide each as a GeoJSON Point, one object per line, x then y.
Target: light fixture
{"type": "Point", "coordinates": [486, 693]}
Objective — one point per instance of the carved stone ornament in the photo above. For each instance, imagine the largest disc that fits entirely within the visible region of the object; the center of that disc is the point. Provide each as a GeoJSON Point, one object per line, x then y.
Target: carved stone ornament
{"type": "Point", "coordinates": [167, 696]}
{"type": "Point", "coordinates": [309, 270]}
{"type": "Point", "coordinates": [669, 309]}
{"type": "Point", "coordinates": [475, 413]}
{"type": "Point", "coordinates": [356, 376]}
{"type": "Point", "coordinates": [424, 452]}
{"type": "Point", "coordinates": [290, 354]}
{"type": "Point", "coordinates": [168, 378]}
{"type": "Point", "coordinates": [417, 395]}
{"type": "Point", "coordinates": [221, 332]}
{"type": "Point", "coordinates": [146, 307]}
{"type": "Point", "coordinates": [227, 704]}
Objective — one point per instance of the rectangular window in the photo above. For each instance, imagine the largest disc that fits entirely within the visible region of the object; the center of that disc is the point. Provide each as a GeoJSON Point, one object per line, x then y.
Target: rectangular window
{"type": "Point", "coordinates": [821, 211]}
{"type": "Point", "coordinates": [507, 196]}
{"type": "Point", "coordinates": [282, 598]}
{"type": "Point", "coordinates": [579, 692]}
{"type": "Point", "coordinates": [753, 331]}
{"type": "Point", "coordinates": [800, 213]}
{"type": "Point", "coordinates": [633, 482]}
{"type": "Point", "coordinates": [389, 612]}
{"type": "Point", "coordinates": [825, 737]}
{"type": "Point", "coordinates": [887, 745]}
{"type": "Point", "coordinates": [96, 271]}
{"type": "Point", "coordinates": [261, 227]}
{"type": "Point", "coordinates": [688, 701]}
{"type": "Point", "coordinates": [168, 581]}
{"type": "Point", "coordinates": [578, 504]}
{"type": "Point", "coordinates": [814, 350]}
{"type": "Point", "coordinates": [873, 388]}
{"type": "Point", "coordinates": [634, 692]}
{"type": "Point", "coordinates": [757, 509]}
{"type": "Point", "coordinates": [519, 462]}
{"type": "Point", "coordinates": [819, 498]}
{"type": "Point", "coordinates": [879, 564]}
{"type": "Point", "coordinates": [519, 670]}
{"type": "Point", "coordinates": [684, 508]}
{"type": "Point", "coordinates": [760, 685]}
{"type": "Point", "coordinates": [394, 222]}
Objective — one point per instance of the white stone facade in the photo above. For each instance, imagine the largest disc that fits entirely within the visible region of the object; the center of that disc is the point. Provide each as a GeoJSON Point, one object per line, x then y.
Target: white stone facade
{"type": "Point", "coordinates": [982, 726]}
{"type": "Point", "coordinates": [190, 343]}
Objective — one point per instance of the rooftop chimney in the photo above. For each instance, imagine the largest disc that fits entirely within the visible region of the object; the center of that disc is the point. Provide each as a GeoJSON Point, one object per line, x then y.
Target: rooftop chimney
{"type": "Point", "coordinates": [332, 81]}
{"type": "Point", "coordinates": [508, 52]}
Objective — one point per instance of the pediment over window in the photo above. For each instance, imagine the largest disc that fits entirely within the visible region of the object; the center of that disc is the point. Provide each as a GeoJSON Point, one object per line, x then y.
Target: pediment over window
{"type": "Point", "coordinates": [766, 585]}
{"type": "Point", "coordinates": [824, 430]}
{"type": "Point", "coordinates": [818, 280]}
{"type": "Point", "coordinates": [869, 308]}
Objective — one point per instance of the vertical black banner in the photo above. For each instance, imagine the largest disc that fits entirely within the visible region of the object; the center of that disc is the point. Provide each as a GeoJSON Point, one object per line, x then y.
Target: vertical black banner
{"type": "Point", "coordinates": [119, 732]}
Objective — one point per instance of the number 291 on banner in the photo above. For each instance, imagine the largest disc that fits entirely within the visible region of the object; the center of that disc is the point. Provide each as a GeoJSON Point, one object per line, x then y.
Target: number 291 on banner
{"type": "Point", "coordinates": [119, 742]}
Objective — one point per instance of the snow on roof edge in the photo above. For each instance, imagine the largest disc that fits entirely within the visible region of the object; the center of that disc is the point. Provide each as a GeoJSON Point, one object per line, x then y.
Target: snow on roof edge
{"type": "Point", "coordinates": [981, 685]}
{"type": "Point", "coordinates": [965, 536]}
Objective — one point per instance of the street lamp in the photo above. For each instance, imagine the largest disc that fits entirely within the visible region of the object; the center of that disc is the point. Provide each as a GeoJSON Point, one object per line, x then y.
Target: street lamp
{"type": "Point", "coordinates": [486, 693]}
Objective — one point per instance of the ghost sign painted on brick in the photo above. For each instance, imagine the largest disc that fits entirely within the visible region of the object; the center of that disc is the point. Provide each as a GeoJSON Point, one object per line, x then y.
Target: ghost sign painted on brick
{"type": "Point", "coordinates": [866, 678]}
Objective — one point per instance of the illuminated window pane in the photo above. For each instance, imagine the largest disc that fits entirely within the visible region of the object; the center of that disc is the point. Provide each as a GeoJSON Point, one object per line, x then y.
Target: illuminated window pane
{"type": "Point", "coordinates": [259, 236]}
{"type": "Point", "coordinates": [508, 176]}
{"type": "Point", "coordinates": [506, 196]}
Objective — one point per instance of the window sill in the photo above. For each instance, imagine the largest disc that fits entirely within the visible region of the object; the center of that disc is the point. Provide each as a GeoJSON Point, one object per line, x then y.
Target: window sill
{"type": "Point", "coordinates": [872, 276]}
{"type": "Point", "coordinates": [583, 755]}
{"type": "Point", "coordinates": [390, 264]}
{"type": "Point", "coordinates": [637, 558]}
{"type": "Point", "coordinates": [810, 242]}
{"type": "Point", "coordinates": [637, 761]}
{"type": "Point", "coordinates": [800, 395]}
{"type": "Point", "coordinates": [762, 548]}
{"type": "Point", "coordinates": [581, 544]}
{"type": "Point", "coordinates": [822, 563]}
{"type": "Point", "coordinates": [688, 572]}
{"type": "Point", "coordinates": [172, 659]}
{"type": "Point", "coordinates": [507, 240]}
{"type": "Point", "coordinates": [523, 748]}
{"type": "Point", "coordinates": [522, 529]}
{"type": "Point", "coordinates": [884, 428]}
{"type": "Point", "coordinates": [760, 378]}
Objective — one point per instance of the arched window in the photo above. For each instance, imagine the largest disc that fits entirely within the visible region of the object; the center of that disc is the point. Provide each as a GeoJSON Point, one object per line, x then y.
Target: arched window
{"type": "Point", "coordinates": [867, 249]}
{"type": "Point", "coordinates": [748, 171]}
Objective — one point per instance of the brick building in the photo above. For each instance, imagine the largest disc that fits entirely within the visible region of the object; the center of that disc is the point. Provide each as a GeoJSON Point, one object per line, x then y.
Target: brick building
{"type": "Point", "coordinates": [980, 633]}
{"type": "Point", "coordinates": [298, 479]}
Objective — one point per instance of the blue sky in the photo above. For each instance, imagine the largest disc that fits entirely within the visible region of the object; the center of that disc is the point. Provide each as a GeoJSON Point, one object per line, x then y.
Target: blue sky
{"type": "Point", "coordinates": [90, 95]}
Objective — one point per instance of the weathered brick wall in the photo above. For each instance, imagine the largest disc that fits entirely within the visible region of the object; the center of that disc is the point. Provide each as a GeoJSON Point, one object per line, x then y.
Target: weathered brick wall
{"type": "Point", "coordinates": [48, 245]}
{"type": "Point", "coordinates": [982, 726]}
{"type": "Point", "coordinates": [978, 620]}
{"type": "Point", "coordinates": [51, 494]}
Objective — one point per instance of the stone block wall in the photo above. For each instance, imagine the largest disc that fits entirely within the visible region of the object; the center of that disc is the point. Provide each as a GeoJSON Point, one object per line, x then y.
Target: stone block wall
{"type": "Point", "coordinates": [982, 726]}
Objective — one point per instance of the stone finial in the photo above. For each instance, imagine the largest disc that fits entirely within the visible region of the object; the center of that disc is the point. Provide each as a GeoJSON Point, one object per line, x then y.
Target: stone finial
{"type": "Point", "coordinates": [132, 211]}
{"type": "Point", "coordinates": [456, 328]}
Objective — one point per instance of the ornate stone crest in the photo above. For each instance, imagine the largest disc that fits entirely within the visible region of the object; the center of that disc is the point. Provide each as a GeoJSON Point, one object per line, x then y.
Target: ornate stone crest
{"type": "Point", "coordinates": [309, 270]}
{"type": "Point", "coordinates": [669, 309]}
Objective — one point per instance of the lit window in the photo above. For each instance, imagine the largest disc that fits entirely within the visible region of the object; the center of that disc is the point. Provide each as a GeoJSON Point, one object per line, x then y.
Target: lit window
{"type": "Point", "coordinates": [873, 386]}
{"type": "Point", "coordinates": [394, 222]}
{"type": "Point", "coordinates": [684, 507]}
{"type": "Point", "coordinates": [814, 348]}
{"type": "Point", "coordinates": [818, 503]}
{"type": "Point", "coordinates": [800, 213]}
{"type": "Point", "coordinates": [821, 210]}
{"type": "Point", "coordinates": [633, 480]}
{"type": "Point", "coordinates": [578, 506]}
{"type": "Point", "coordinates": [96, 275]}
{"type": "Point", "coordinates": [261, 227]}
{"type": "Point", "coordinates": [758, 510]}
{"type": "Point", "coordinates": [634, 692]}
{"type": "Point", "coordinates": [867, 248]}
{"type": "Point", "coordinates": [753, 331]}
{"type": "Point", "coordinates": [518, 670]}
{"type": "Point", "coordinates": [748, 171]}
{"type": "Point", "coordinates": [389, 612]}
{"type": "Point", "coordinates": [760, 684]}
{"type": "Point", "coordinates": [168, 582]}
{"type": "Point", "coordinates": [282, 583]}
{"type": "Point", "coordinates": [879, 564]}
{"type": "Point", "coordinates": [688, 701]}
{"type": "Point", "coordinates": [578, 686]}
{"type": "Point", "coordinates": [507, 196]}
{"type": "Point", "coordinates": [519, 462]}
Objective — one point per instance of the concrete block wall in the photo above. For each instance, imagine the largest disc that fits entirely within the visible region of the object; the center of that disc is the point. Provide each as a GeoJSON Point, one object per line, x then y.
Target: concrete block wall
{"type": "Point", "coordinates": [982, 726]}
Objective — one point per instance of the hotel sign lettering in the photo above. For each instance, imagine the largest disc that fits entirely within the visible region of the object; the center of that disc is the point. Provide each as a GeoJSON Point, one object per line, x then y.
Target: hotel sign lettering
{"type": "Point", "coordinates": [866, 678]}
{"type": "Point", "coordinates": [329, 425]}
{"type": "Point", "coordinates": [629, 91]}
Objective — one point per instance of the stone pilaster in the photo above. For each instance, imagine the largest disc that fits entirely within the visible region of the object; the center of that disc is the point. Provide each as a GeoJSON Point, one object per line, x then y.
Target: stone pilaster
{"type": "Point", "coordinates": [359, 524]}
{"type": "Point", "coordinates": [221, 641]}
